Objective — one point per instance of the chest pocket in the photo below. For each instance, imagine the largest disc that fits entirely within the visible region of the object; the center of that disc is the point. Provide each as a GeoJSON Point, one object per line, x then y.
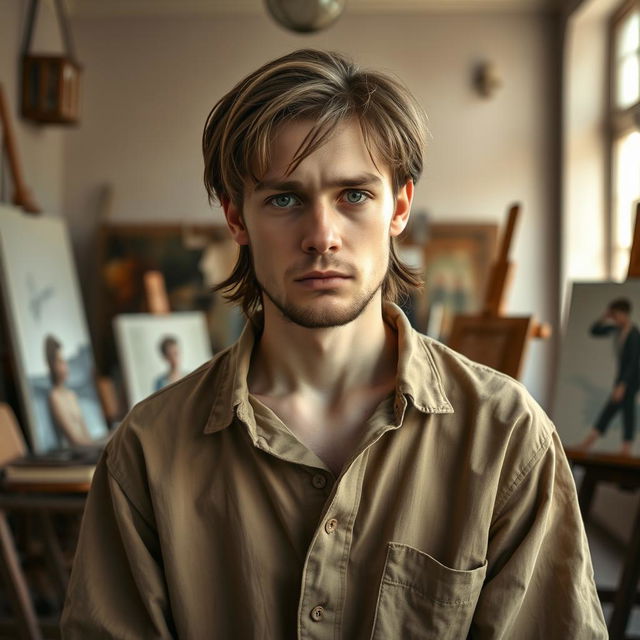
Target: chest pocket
{"type": "Point", "coordinates": [421, 599]}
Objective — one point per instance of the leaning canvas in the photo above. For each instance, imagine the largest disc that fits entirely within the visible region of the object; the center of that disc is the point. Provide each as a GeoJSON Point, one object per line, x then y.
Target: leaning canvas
{"type": "Point", "coordinates": [52, 353]}
{"type": "Point", "coordinates": [596, 400]}
{"type": "Point", "coordinates": [157, 350]}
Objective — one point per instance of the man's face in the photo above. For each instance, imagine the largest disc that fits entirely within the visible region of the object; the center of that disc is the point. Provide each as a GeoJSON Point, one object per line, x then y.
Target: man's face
{"type": "Point", "coordinates": [319, 236]}
{"type": "Point", "coordinates": [172, 354]}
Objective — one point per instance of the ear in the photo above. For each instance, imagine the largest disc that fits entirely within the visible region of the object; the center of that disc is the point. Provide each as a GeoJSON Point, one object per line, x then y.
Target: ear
{"type": "Point", "coordinates": [233, 215]}
{"type": "Point", "coordinates": [402, 209]}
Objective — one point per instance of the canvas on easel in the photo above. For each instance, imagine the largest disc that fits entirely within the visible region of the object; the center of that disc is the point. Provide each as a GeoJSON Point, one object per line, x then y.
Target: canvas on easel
{"type": "Point", "coordinates": [596, 404]}
{"type": "Point", "coordinates": [490, 337]}
{"type": "Point", "coordinates": [159, 348]}
{"type": "Point", "coordinates": [51, 349]}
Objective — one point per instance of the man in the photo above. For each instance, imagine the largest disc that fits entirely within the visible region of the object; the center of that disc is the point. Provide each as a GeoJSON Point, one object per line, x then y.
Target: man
{"type": "Point", "coordinates": [170, 352]}
{"type": "Point", "coordinates": [334, 474]}
{"type": "Point", "coordinates": [617, 321]}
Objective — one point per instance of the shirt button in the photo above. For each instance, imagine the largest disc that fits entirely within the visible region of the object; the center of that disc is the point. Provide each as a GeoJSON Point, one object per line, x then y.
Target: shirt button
{"type": "Point", "coordinates": [319, 481]}
{"type": "Point", "coordinates": [331, 525]}
{"type": "Point", "coordinates": [317, 613]}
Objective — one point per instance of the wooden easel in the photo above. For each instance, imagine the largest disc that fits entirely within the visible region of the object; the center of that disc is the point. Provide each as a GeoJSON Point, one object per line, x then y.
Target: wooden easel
{"type": "Point", "coordinates": [474, 336]}
{"type": "Point", "coordinates": [156, 293]}
{"type": "Point", "coordinates": [623, 471]}
{"type": "Point", "coordinates": [22, 196]}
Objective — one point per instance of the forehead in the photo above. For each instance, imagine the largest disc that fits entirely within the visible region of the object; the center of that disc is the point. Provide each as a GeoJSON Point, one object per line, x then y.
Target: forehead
{"type": "Point", "coordinates": [344, 153]}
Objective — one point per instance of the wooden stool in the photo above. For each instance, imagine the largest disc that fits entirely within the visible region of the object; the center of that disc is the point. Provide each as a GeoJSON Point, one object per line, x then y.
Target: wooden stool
{"type": "Point", "coordinates": [625, 472]}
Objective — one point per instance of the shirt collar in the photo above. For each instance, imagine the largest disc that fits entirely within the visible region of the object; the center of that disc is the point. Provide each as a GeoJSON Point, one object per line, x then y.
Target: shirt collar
{"type": "Point", "coordinates": [418, 378]}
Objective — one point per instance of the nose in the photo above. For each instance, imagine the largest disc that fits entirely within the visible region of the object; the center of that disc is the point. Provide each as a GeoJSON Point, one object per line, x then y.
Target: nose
{"type": "Point", "coordinates": [321, 232]}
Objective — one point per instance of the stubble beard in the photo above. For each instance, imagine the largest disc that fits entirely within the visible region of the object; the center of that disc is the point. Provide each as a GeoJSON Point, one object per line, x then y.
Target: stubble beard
{"type": "Point", "coordinates": [311, 318]}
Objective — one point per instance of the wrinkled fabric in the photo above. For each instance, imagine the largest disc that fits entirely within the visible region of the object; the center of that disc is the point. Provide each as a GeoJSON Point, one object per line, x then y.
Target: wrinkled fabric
{"type": "Point", "coordinates": [455, 517]}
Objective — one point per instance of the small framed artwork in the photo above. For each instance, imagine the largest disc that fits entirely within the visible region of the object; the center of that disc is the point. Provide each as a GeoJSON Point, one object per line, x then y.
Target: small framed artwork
{"type": "Point", "coordinates": [51, 349]}
{"type": "Point", "coordinates": [191, 259]}
{"type": "Point", "coordinates": [456, 263]}
{"type": "Point", "coordinates": [498, 342]}
{"type": "Point", "coordinates": [157, 350]}
{"type": "Point", "coordinates": [596, 395]}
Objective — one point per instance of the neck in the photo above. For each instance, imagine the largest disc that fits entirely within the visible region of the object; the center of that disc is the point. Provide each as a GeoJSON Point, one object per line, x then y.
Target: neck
{"type": "Point", "coordinates": [324, 362]}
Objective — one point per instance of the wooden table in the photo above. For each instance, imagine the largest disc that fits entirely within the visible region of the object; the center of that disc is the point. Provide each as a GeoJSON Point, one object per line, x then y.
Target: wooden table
{"type": "Point", "coordinates": [41, 500]}
{"type": "Point", "coordinates": [625, 472]}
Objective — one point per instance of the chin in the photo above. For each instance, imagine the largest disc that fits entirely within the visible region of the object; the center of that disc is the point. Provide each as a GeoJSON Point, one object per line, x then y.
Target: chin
{"type": "Point", "coordinates": [323, 312]}
{"type": "Point", "coordinates": [310, 318]}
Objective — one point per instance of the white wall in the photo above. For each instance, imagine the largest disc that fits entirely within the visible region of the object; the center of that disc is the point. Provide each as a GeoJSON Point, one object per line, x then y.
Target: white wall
{"type": "Point", "coordinates": [40, 148]}
{"type": "Point", "coordinates": [150, 82]}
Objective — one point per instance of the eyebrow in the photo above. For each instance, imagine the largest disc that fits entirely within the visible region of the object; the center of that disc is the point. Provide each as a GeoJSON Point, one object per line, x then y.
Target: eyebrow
{"type": "Point", "coordinates": [362, 180]}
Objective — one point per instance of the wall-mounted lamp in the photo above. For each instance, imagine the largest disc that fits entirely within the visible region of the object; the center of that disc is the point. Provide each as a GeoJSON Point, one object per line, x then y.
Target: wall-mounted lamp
{"type": "Point", "coordinates": [305, 16]}
{"type": "Point", "coordinates": [486, 79]}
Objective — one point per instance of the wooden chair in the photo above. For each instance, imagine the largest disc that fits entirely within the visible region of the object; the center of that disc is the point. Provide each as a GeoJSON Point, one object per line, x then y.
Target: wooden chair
{"type": "Point", "coordinates": [38, 508]}
{"type": "Point", "coordinates": [12, 443]}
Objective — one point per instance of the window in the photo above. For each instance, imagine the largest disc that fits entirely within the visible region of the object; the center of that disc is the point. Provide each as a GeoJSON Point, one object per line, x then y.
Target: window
{"type": "Point", "coordinates": [624, 121]}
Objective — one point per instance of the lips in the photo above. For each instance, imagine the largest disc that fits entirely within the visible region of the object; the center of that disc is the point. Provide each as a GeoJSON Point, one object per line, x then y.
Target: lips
{"type": "Point", "coordinates": [322, 275]}
{"type": "Point", "coordinates": [323, 280]}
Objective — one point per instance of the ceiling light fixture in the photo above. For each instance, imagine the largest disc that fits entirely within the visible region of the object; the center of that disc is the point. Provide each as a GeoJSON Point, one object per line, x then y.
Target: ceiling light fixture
{"type": "Point", "coordinates": [305, 16]}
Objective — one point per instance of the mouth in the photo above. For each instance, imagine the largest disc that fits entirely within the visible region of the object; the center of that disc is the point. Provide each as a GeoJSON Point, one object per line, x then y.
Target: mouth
{"type": "Point", "coordinates": [322, 275]}
{"type": "Point", "coordinates": [323, 279]}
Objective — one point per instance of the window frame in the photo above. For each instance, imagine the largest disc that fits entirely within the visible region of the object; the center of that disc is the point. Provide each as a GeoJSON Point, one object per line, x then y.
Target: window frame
{"type": "Point", "coordinates": [620, 122]}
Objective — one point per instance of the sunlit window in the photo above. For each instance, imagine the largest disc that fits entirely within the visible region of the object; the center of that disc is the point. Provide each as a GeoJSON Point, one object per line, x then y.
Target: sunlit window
{"type": "Point", "coordinates": [625, 129]}
{"type": "Point", "coordinates": [627, 61]}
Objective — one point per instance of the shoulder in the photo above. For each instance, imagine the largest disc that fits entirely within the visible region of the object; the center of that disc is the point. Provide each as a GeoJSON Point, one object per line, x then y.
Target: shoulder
{"type": "Point", "coordinates": [468, 384]}
{"type": "Point", "coordinates": [169, 419]}
{"type": "Point", "coordinates": [494, 418]}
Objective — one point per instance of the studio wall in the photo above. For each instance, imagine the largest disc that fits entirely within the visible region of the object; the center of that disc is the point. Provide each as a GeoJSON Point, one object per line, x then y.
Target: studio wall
{"type": "Point", "coordinates": [40, 149]}
{"type": "Point", "coordinates": [150, 82]}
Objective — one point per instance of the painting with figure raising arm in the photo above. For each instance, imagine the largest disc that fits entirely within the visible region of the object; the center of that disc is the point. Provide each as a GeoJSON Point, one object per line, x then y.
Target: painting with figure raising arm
{"type": "Point", "coordinates": [49, 337]}
{"type": "Point", "coordinates": [597, 391]}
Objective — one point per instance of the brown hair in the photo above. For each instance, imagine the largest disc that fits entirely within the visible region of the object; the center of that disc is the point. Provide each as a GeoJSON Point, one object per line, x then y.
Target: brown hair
{"type": "Point", "coordinates": [621, 304]}
{"type": "Point", "coordinates": [165, 343]}
{"type": "Point", "coordinates": [51, 347]}
{"type": "Point", "coordinates": [328, 88]}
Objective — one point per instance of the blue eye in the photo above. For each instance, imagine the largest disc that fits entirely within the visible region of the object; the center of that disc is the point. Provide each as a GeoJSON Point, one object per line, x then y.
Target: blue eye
{"type": "Point", "coordinates": [355, 197]}
{"type": "Point", "coordinates": [283, 200]}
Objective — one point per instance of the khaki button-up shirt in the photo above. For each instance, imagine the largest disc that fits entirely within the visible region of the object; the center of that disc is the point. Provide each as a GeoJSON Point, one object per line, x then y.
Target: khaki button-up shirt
{"type": "Point", "coordinates": [456, 516]}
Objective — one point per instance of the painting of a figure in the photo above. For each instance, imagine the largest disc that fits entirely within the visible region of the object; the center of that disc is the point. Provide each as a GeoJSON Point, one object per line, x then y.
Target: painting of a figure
{"type": "Point", "coordinates": [48, 331]}
{"type": "Point", "coordinates": [158, 350]}
{"type": "Point", "coordinates": [456, 259]}
{"type": "Point", "coordinates": [169, 348]}
{"type": "Point", "coordinates": [599, 379]}
{"type": "Point", "coordinates": [191, 260]}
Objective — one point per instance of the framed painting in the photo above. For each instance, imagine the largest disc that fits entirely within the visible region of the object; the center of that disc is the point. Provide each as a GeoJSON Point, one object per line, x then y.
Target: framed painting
{"type": "Point", "coordinates": [498, 342]}
{"type": "Point", "coordinates": [157, 350]}
{"type": "Point", "coordinates": [456, 263]}
{"type": "Point", "coordinates": [51, 350]}
{"type": "Point", "coordinates": [191, 260]}
{"type": "Point", "coordinates": [595, 406]}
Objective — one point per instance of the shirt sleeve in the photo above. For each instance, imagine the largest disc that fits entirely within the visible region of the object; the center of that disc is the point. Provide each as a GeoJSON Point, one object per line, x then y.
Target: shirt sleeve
{"type": "Point", "coordinates": [540, 579]}
{"type": "Point", "coordinates": [601, 328]}
{"type": "Point", "coordinates": [117, 588]}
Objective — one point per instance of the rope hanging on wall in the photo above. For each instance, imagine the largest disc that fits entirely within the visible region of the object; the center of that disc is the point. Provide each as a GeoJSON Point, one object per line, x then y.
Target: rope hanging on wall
{"type": "Point", "coordinates": [50, 83]}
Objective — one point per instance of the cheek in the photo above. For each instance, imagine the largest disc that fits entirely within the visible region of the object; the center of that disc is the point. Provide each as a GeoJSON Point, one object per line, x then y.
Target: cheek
{"type": "Point", "coordinates": [268, 250]}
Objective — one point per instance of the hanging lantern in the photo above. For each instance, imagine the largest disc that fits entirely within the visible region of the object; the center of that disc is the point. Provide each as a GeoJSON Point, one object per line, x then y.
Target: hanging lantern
{"type": "Point", "coordinates": [305, 16]}
{"type": "Point", "coordinates": [50, 83]}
